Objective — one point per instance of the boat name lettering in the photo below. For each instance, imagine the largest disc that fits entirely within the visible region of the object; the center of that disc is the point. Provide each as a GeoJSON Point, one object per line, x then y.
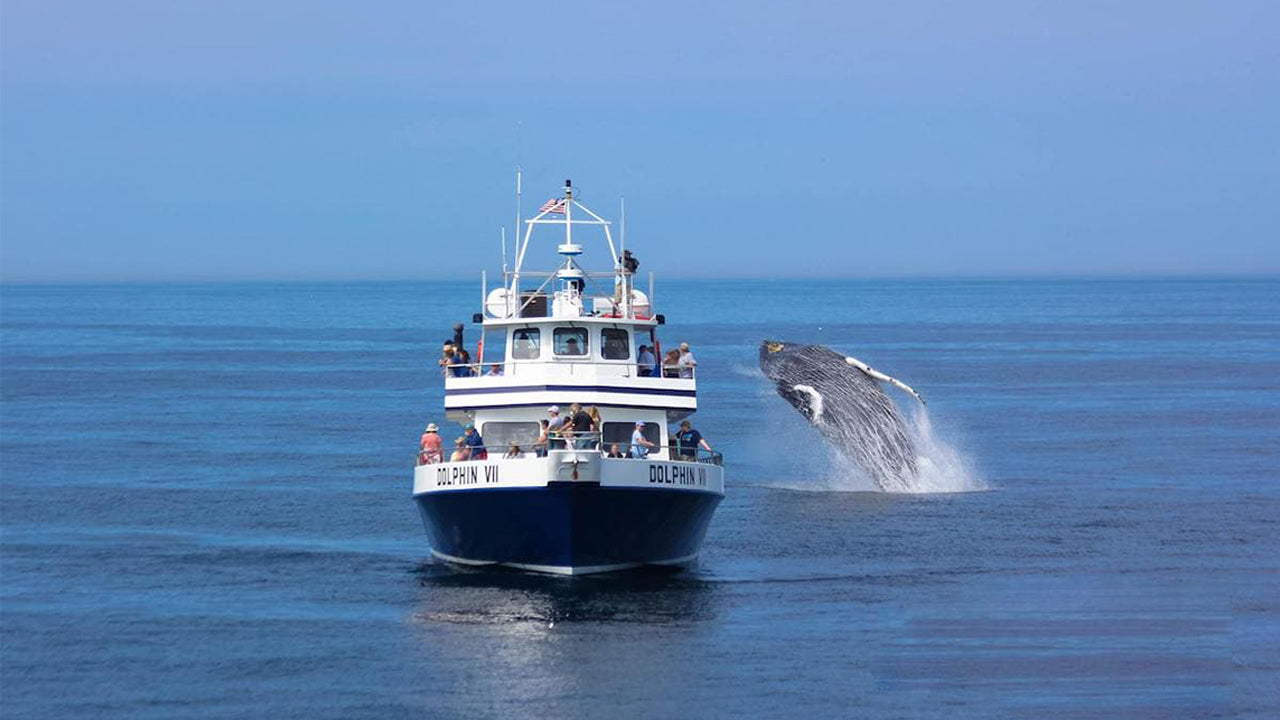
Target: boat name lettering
{"type": "Point", "coordinates": [461, 475]}
{"type": "Point", "coordinates": [677, 474]}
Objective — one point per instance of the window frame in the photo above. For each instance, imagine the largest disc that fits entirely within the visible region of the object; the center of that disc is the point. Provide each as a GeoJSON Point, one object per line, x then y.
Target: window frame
{"type": "Point", "coordinates": [582, 333]}
{"type": "Point", "coordinates": [537, 343]}
{"type": "Point", "coordinates": [498, 448]}
{"type": "Point", "coordinates": [604, 344]}
{"type": "Point", "coordinates": [607, 438]}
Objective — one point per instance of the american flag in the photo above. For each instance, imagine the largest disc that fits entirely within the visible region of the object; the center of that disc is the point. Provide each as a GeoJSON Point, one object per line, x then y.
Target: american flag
{"type": "Point", "coordinates": [554, 205]}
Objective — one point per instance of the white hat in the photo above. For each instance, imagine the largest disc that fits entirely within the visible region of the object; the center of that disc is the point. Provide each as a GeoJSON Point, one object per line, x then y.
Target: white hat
{"type": "Point", "coordinates": [684, 346]}
{"type": "Point", "coordinates": [554, 409]}
{"type": "Point", "coordinates": [431, 427]}
{"type": "Point", "coordinates": [639, 424]}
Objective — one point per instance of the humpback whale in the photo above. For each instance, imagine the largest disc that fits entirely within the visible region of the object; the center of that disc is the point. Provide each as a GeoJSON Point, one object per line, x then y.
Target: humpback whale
{"type": "Point", "coordinates": [842, 397]}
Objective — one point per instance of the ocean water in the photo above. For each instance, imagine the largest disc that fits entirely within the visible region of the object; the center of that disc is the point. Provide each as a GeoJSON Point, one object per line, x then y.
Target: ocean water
{"type": "Point", "coordinates": [205, 508]}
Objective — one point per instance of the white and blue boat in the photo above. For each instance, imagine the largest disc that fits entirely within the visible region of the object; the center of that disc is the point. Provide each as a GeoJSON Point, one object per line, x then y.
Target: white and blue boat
{"type": "Point", "coordinates": [554, 338]}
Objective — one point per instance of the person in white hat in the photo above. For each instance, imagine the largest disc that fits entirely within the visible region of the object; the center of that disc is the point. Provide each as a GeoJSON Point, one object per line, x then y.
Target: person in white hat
{"type": "Point", "coordinates": [639, 443]}
{"type": "Point", "coordinates": [432, 449]}
{"type": "Point", "coordinates": [687, 362]}
{"type": "Point", "coordinates": [555, 427]}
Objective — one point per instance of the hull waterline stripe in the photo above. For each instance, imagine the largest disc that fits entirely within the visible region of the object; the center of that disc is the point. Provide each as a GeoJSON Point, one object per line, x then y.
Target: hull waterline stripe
{"type": "Point", "coordinates": [560, 484]}
{"type": "Point", "coordinates": [572, 388]}
{"type": "Point", "coordinates": [544, 403]}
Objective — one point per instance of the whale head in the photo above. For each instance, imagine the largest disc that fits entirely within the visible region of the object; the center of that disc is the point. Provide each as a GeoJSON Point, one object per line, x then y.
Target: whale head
{"type": "Point", "coordinates": [789, 366]}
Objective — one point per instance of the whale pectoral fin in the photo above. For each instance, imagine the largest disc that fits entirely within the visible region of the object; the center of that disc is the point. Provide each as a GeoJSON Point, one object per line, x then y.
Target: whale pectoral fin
{"type": "Point", "coordinates": [877, 375]}
{"type": "Point", "coordinates": [800, 400]}
{"type": "Point", "coordinates": [805, 399]}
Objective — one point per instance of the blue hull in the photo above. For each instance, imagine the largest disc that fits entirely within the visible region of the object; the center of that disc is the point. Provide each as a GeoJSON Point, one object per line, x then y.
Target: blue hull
{"type": "Point", "coordinates": [567, 527]}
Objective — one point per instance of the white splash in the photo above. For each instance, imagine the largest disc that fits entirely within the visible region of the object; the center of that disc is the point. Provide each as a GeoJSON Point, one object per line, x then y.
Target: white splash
{"type": "Point", "coordinates": [940, 466]}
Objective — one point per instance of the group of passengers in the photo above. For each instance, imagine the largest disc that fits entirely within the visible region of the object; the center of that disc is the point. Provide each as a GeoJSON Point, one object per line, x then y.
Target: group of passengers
{"type": "Point", "coordinates": [579, 429]}
{"type": "Point", "coordinates": [675, 363]}
{"type": "Point", "coordinates": [455, 361]}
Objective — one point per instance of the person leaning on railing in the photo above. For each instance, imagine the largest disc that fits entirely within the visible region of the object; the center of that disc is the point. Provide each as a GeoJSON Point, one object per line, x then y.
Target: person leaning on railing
{"type": "Point", "coordinates": [687, 361]}
{"type": "Point", "coordinates": [555, 424]}
{"type": "Point", "coordinates": [581, 424]}
{"type": "Point", "coordinates": [475, 444]}
{"type": "Point", "coordinates": [639, 443]}
{"type": "Point", "coordinates": [688, 441]}
{"type": "Point", "coordinates": [671, 364]}
{"type": "Point", "coordinates": [430, 447]}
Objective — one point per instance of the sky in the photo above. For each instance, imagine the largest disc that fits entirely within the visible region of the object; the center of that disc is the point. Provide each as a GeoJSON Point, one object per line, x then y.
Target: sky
{"type": "Point", "coordinates": [176, 141]}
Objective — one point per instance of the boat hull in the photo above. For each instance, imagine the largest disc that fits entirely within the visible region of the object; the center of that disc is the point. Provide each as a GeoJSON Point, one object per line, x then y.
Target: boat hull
{"type": "Point", "coordinates": [570, 528]}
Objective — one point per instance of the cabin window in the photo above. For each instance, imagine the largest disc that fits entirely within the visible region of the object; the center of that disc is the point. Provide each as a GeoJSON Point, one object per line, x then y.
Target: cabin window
{"type": "Point", "coordinates": [525, 344]}
{"type": "Point", "coordinates": [620, 433]}
{"type": "Point", "coordinates": [571, 341]}
{"type": "Point", "coordinates": [498, 436]}
{"type": "Point", "coordinates": [617, 344]}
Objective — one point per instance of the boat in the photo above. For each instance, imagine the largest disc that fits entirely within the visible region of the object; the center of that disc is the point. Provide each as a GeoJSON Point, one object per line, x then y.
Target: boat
{"type": "Point", "coordinates": [550, 339]}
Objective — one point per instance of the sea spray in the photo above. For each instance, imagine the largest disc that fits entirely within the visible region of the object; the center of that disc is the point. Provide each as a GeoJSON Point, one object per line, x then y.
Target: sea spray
{"type": "Point", "coordinates": [940, 466]}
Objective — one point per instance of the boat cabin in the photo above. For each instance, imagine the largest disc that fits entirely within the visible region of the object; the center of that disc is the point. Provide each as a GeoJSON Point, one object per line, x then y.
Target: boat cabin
{"type": "Point", "coordinates": [575, 338]}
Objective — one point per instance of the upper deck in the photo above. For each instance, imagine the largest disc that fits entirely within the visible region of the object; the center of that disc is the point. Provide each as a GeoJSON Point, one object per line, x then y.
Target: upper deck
{"type": "Point", "coordinates": [577, 336]}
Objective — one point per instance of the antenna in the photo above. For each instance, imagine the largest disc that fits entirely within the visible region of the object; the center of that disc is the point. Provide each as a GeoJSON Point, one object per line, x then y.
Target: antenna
{"type": "Point", "coordinates": [504, 254]}
{"type": "Point", "coordinates": [517, 225]}
{"type": "Point", "coordinates": [622, 240]}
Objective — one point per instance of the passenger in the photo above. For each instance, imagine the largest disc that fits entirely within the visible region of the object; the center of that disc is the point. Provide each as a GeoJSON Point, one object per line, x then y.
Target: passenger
{"type": "Point", "coordinates": [513, 452]}
{"type": "Point", "coordinates": [495, 370]}
{"type": "Point", "coordinates": [453, 361]}
{"type": "Point", "coordinates": [645, 361]}
{"type": "Point", "coordinates": [686, 362]}
{"type": "Point", "coordinates": [571, 347]}
{"type": "Point", "coordinates": [459, 450]}
{"type": "Point", "coordinates": [446, 358]}
{"type": "Point", "coordinates": [581, 422]}
{"type": "Point", "coordinates": [432, 448]}
{"type": "Point", "coordinates": [593, 412]}
{"type": "Point", "coordinates": [475, 444]}
{"type": "Point", "coordinates": [540, 447]}
{"type": "Point", "coordinates": [639, 443]}
{"type": "Point", "coordinates": [688, 440]}
{"type": "Point", "coordinates": [615, 451]}
{"type": "Point", "coordinates": [555, 425]}
{"type": "Point", "coordinates": [671, 364]}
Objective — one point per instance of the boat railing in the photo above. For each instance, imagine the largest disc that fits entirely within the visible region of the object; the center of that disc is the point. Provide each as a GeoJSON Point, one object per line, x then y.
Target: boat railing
{"type": "Point", "coordinates": [589, 441]}
{"type": "Point", "coordinates": [486, 369]}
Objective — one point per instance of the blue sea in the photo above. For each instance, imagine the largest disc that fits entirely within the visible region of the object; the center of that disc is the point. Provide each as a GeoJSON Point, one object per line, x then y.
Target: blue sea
{"type": "Point", "coordinates": [205, 507]}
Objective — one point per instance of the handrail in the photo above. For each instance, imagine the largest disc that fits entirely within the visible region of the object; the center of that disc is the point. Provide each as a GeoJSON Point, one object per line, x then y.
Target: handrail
{"type": "Point", "coordinates": [706, 457]}
{"type": "Point", "coordinates": [474, 370]}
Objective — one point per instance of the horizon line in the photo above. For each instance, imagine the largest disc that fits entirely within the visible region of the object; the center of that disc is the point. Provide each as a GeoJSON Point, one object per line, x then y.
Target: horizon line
{"type": "Point", "coordinates": [335, 280]}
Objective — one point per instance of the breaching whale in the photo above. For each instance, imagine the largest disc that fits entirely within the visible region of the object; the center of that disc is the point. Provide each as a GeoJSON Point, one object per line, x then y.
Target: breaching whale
{"type": "Point", "coordinates": [841, 396]}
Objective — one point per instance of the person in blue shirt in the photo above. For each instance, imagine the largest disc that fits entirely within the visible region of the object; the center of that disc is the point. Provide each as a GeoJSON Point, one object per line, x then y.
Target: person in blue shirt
{"type": "Point", "coordinates": [475, 445]}
{"type": "Point", "coordinates": [688, 441]}
{"type": "Point", "coordinates": [645, 361]}
{"type": "Point", "coordinates": [639, 443]}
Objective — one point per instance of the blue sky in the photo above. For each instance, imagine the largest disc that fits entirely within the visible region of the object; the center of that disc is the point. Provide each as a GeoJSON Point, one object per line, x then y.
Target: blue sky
{"type": "Point", "coordinates": [250, 140]}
